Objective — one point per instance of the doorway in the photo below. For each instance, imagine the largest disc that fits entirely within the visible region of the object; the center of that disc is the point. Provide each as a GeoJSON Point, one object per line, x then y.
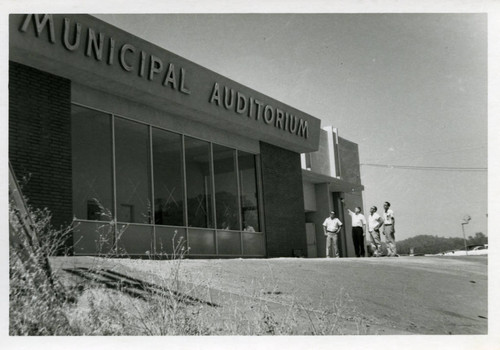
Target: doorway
{"type": "Point", "coordinates": [338, 208]}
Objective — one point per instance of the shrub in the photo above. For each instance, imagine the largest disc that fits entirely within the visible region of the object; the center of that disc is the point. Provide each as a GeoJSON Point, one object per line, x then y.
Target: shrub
{"type": "Point", "coordinates": [36, 299]}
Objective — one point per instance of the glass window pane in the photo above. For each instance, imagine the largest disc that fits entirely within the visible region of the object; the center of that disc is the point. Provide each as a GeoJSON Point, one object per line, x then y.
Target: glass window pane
{"type": "Point", "coordinates": [249, 195]}
{"type": "Point", "coordinates": [135, 239]}
{"type": "Point", "coordinates": [92, 164]}
{"type": "Point", "coordinates": [93, 238]}
{"type": "Point", "coordinates": [254, 244]}
{"type": "Point", "coordinates": [170, 241]}
{"type": "Point", "coordinates": [229, 243]}
{"type": "Point", "coordinates": [133, 185]}
{"type": "Point", "coordinates": [201, 242]}
{"type": "Point", "coordinates": [168, 181]}
{"type": "Point", "coordinates": [226, 188]}
{"type": "Point", "coordinates": [198, 180]}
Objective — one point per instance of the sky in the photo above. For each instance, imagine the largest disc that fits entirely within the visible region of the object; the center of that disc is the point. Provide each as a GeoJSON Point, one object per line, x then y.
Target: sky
{"type": "Point", "coordinates": [410, 89]}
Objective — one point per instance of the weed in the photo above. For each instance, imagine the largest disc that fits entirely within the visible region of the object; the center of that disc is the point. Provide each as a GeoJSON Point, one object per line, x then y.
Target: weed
{"type": "Point", "coordinates": [110, 303]}
{"type": "Point", "coordinates": [35, 296]}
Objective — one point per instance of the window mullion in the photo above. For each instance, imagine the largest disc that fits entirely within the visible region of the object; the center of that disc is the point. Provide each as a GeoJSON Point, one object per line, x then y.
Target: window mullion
{"type": "Point", "coordinates": [184, 179]}
{"type": "Point", "coordinates": [115, 208]}
{"type": "Point", "coordinates": [214, 209]}
{"type": "Point", "coordinates": [238, 191]}
{"type": "Point", "coordinates": [152, 219]}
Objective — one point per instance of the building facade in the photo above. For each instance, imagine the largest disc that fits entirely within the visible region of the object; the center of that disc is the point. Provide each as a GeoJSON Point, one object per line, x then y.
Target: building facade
{"type": "Point", "coordinates": [143, 151]}
{"type": "Point", "coordinates": [331, 182]}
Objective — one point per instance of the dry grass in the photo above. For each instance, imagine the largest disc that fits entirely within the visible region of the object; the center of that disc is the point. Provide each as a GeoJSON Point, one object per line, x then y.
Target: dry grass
{"type": "Point", "coordinates": [41, 305]}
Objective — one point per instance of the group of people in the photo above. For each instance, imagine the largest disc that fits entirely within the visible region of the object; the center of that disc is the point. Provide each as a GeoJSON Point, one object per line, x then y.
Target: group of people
{"type": "Point", "coordinates": [376, 225]}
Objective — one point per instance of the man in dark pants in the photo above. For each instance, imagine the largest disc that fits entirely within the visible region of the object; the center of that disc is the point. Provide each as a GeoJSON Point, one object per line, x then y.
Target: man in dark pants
{"type": "Point", "coordinates": [358, 231]}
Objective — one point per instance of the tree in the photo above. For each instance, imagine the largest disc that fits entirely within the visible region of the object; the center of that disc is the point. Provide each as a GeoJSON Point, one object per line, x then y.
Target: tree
{"type": "Point", "coordinates": [427, 244]}
{"type": "Point", "coordinates": [478, 239]}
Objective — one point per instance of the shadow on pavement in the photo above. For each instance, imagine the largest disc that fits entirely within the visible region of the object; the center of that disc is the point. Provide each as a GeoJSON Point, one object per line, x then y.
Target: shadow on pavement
{"type": "Point", "coordinates": [132, 286]}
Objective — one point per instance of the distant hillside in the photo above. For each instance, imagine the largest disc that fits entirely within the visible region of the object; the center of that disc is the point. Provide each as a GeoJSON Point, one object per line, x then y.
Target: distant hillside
{"type": "Point", "coordinates": [427, 244]}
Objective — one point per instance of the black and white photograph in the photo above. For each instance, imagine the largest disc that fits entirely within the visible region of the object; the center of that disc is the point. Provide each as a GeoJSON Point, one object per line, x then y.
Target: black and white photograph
{"type": "Point", "coordinates": [250, 175]}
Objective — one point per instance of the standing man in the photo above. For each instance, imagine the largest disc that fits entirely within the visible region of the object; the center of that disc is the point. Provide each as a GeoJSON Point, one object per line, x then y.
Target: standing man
{"type": "Point", "coordinates": [358, 231]}
{"type": "Point", "coordinates": [374, 224]}
{"type": "Point", "coordinates": [331, 227]}
{"type": "Point", "coordinates": [389, 230]}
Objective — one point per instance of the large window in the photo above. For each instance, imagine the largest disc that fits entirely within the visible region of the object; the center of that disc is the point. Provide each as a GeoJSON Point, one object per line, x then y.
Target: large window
{"type": "Point", "coordinates": [166, 185]}
{"type": "Point", "coordinates": [226, 188]}
{"type": "Point", "coordinates": [168, 181]}
{"type": "Point", "coordinates": [133, 186]}
{"type": "Point", "coordinates": [92, 164]}
{"type": "Point", "coordinates": [199, 183]}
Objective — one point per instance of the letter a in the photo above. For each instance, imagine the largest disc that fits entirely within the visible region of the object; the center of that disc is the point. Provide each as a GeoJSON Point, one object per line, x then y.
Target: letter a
{"type": "Point", "coordinates": [215, 94]}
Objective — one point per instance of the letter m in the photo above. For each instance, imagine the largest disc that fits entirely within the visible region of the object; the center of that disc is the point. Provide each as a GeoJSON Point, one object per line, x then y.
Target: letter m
{"type": "Point", "coordinates": [303, 131]}
{"type": "Point", "coordinates": [40, 25]}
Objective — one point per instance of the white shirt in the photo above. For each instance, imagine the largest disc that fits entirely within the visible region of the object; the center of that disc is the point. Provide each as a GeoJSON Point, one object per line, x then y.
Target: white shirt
{"type": "Point", "coordinates": [332, 225]}
{"type": "Point", "coordinates": [388, 216]}
{"type": "Point", "coordinates": [249, 229]}
{"type": "Point", "coordinates": [358, 220]}
{"type": "Point", "coordinates": [373, 221]}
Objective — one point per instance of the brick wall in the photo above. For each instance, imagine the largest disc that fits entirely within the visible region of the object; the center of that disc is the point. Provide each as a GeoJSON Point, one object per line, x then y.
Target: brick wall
{"type": "Point", "coordinates": [40, 138]}
{"type": "Point", "coordinates": [283, 201]}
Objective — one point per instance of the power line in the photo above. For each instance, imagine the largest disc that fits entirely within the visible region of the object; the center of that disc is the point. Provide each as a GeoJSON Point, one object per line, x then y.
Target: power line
{"type": "Point", "coordinates": [433, 168]}
{"type": "Point", "coordinates": [440, 152]}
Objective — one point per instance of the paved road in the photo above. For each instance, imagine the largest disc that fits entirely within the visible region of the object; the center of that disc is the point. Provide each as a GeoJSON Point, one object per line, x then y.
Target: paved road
{"type": "Point", "coordinates": [422, 295]}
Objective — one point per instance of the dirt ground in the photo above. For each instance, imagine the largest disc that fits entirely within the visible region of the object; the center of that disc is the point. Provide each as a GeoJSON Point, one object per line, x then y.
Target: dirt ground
{"type": "Point", "coordinates": [405, 295]}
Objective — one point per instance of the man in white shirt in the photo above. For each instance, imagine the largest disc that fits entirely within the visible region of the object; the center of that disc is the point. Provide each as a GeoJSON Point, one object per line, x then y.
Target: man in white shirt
{"type": "Point", "coordinates": [374, 224]}
{"type": "Point", "coordinates": [358, 231]}
{"type": "Point", "coordinates": [331, 227]}
{"type": "Point", "coordinates": [389, 230]}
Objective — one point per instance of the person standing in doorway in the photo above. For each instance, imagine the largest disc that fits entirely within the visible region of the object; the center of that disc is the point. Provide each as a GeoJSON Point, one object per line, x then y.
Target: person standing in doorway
{"type": "Point", "coordinates": [331, 228]}
{"type": "Point", "coordinates": [389, 230]}
{"type": "Point", "coordinates": [375, 221]}
{"type": "Point", "coordinates": [358, 231]}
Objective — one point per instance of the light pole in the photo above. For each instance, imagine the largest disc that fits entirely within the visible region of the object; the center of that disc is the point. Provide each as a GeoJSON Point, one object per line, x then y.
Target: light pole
{"type": "Point", "coordinates": [466, 220]}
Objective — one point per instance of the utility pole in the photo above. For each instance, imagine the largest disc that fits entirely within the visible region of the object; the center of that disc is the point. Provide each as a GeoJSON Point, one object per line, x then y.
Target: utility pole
{"type": "Point", "coordinates": [466, 220]}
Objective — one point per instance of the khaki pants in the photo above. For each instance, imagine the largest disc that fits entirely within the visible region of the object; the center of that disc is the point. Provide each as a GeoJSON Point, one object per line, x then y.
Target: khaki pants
{"type": "Point", "coordinates": [374, 237]}
{"type": "Point", "coordinates": [390, 240]}
{"type": "Point", "coordinates": [331, 241]}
